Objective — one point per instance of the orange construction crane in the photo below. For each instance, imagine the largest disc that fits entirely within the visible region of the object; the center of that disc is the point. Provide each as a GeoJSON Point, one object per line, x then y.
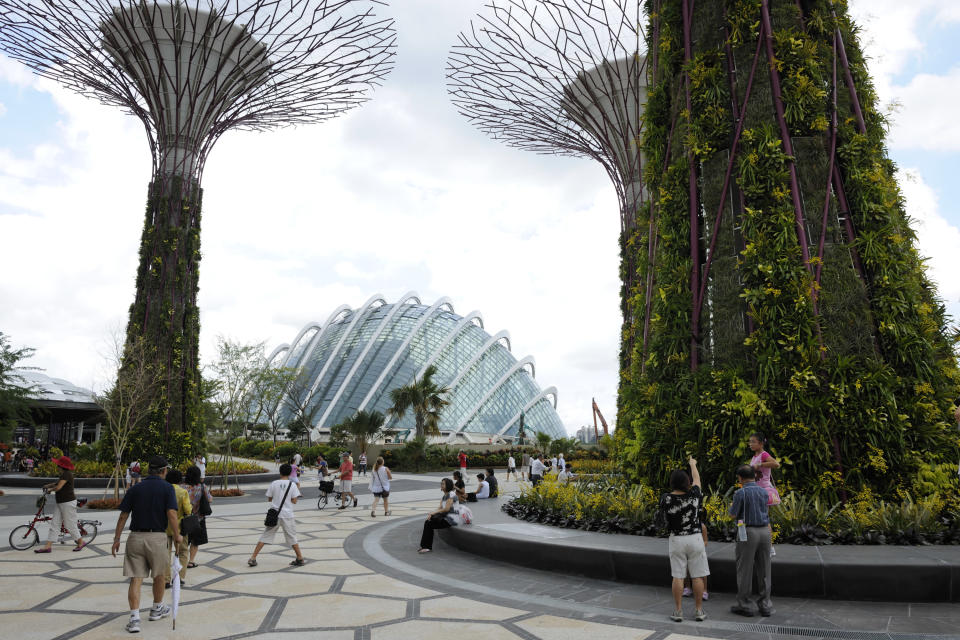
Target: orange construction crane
{"type": "Point", "coordinates": [596, 413]}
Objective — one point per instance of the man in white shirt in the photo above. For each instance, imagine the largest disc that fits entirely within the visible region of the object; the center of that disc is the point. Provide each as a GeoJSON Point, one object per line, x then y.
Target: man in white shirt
{"type": "Point", "coordinates": [512, 468]}
{"type": "Point", "coordinates": [201, 463]}
{"type": "Point", "coordinates": [565, 476]}
{"type": "Point", "coordinates": [561, 464]}
{"type": "Point", "coordinates": [297, 459]}
{"type": "Point", "coordinates": [281, 495]}
{"type": "Point", "coordinates": [537, 469]}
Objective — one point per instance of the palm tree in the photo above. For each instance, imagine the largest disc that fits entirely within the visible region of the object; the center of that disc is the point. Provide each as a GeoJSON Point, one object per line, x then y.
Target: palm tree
{"type": "Point", "coordinates": [425, 397]}
{"type": "Point", "coordinates": [362, 429]}
{"type": "Point", "coordinates": [543, 441]}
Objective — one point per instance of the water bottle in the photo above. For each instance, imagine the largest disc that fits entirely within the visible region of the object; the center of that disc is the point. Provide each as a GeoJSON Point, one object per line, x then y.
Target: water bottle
{"type": "Point", "coordinates": [741, 531]}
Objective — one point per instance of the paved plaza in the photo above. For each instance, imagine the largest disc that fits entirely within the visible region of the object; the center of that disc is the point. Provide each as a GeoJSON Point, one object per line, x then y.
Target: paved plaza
{"type": "Point", "coordinates": [364, 579]}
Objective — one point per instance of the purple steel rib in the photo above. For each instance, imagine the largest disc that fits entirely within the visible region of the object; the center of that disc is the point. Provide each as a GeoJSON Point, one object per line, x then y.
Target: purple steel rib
{"type": "Point", "coordinates": [694, 204]}
{"type": "Point", "coordinates": [726, 179]}
{"type": "Point", "coordinates": [847, 223]}
{"type": "Point", "coordinates": [854, 98]}
{"type": "Point", "coordinates": [767, 34]}
{"type": "Point", "coordinates": [826, 197]}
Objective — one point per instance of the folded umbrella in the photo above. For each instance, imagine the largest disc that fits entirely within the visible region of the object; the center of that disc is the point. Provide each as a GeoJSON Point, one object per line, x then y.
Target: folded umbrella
{"type": "Point", "coordinates": [175, 589]}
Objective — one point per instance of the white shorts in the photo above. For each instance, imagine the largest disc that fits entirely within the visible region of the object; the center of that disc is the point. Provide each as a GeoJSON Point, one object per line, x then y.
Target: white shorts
{"type": "Point", "coordinates": [688, 554]}
{"type": "Point", "coordinates": [289, 527]}
{"type": "Point", "coordinates": [346, 486]}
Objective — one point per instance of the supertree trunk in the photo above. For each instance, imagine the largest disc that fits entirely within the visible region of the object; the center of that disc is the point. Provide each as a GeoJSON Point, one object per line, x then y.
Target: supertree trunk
{"type": "Point", "coordinates": [790, 298]}
{"type": "Point", "coordinates": [164, 320]}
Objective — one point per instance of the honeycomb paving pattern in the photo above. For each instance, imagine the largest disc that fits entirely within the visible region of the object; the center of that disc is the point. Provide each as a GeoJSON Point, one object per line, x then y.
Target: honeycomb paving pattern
{"type": "Point", "coordinates": [333, 597]}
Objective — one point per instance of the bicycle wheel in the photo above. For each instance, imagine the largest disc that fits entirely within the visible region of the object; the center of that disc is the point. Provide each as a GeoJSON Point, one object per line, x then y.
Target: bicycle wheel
{"type": "Point", "coordinates": [88, 530]}
{"type": "Point", "coordinates": [24, 537]}
{"type": "Point", "coordinates": [322, 501]}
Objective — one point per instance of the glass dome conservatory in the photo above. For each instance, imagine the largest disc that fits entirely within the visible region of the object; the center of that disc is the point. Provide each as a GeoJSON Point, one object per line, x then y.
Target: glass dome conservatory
{"type": "Point", "coordinates": [354, 359]}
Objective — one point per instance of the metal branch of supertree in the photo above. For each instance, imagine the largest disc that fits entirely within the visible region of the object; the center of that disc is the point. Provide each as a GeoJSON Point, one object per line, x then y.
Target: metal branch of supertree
{"type": "Point", "coordinates": [193, 69]}
{"type": "Point", "coordinates": [559, 77]}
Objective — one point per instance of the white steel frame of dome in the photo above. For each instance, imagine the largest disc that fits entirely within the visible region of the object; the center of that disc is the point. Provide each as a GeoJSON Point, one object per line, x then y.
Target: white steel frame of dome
{"type": "Point", "coordinates": [351, 355]}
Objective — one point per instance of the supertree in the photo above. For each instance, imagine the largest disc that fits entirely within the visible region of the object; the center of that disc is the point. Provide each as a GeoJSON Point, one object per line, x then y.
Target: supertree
{"type": "Point", "coordinates": [563, 77]}
{"type": "Point", "coordinates": [789, 295]}
{"type": "Point", "coordinates": [191, 70]}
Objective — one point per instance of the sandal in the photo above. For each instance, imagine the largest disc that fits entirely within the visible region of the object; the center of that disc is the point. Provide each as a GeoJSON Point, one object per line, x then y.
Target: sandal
{"type": "Point", "coordinates": [299, 562]}
{"type": "Point", "coordinates": [373, 514]}
{"type": "Point", "coordinates": [425, 551]}
{"type": "Point", "coordinates": [43, 550]}
{"type": "Point", "coordinates": [251, 562]}
{"type": "Point", "coordinates": [80, 546]}
{"type": "Point", "coordinates": [386, 513]}
{"type": "Point", "coordinates": [192, 565]}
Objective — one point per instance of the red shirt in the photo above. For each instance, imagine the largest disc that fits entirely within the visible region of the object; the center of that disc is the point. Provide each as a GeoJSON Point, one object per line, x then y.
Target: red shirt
{"type": "Point", "coordinates": [462, 457]}
{"type": "Point", "coordinates": [346, 469]}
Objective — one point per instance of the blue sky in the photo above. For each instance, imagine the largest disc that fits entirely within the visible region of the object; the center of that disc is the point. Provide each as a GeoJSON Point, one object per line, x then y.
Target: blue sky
{"type": "Point", "coordinates": [399, 194]}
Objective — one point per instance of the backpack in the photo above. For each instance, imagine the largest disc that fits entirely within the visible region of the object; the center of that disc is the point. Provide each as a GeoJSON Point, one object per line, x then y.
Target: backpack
{"type": "Point", "coordinates": [136, 467]}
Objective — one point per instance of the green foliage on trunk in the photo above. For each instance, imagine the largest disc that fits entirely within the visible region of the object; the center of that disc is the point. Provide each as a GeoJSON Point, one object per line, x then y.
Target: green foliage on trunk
{"type": "Point", "coordinates": [854, 394]}
{"type": "Point", "coordinates": [164, 316]}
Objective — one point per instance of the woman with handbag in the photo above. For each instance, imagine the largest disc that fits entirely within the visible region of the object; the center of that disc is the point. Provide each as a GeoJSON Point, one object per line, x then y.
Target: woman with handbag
{"type": "Point", "coordinates": [442, 518]}
{"type": "Point", "coordinates": [380, 479]}
{"type": "Point", "coordinates": [200, 500]}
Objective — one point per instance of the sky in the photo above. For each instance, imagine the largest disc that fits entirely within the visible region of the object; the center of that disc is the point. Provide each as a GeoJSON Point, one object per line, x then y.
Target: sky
{"type": "Point", "coordinates": [400, 194]}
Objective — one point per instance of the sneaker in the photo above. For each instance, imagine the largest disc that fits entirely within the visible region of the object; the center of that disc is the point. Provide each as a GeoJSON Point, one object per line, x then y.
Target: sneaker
{"type": "Point", "coordinates": [355, 502]}
{"type": "Point", "coordinates": [687, 592]}
{"type": "Point", "coordinates": [133, 625]}
{"type": "Point", "coordinates": [766, 613]}
{"type": "Point", "coordinates": [773, 551]}
{"type": "Point", "coordinates": [677, 616]}
{"type": "Point", "coordinates": [159, 612]}
{"type": "Point", "coordinates": [700, 615]}
{"type": "Point", "coordinates": [706, 596]}
{"type": "Point", "coordinates": [741, 611]}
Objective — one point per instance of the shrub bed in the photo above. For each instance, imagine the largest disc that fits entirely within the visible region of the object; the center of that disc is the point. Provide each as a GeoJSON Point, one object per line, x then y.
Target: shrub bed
{"type": "Point", "coordinates": [226, 493]}
{"type": "Point", "coordinates": [92, 469]}
{"type": "Point", "coordinates": [611, 505]}
{"type": "Point", "coordinates": [103, 504]}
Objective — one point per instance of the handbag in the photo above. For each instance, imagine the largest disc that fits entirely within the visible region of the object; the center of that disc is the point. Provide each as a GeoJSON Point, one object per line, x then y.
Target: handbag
{"type": "Point", "coordinates": [189, 525]}
{"type": "Point", "coordinates": [204, 507]}
{"type": "Point", "coordinates": [273, 515]}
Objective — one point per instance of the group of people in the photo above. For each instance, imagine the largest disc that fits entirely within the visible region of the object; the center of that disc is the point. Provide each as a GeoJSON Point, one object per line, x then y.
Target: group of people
{"type": "Point", "coordinates": [158, 508]}
{"type": "Point", "coordinates": [682, 513]}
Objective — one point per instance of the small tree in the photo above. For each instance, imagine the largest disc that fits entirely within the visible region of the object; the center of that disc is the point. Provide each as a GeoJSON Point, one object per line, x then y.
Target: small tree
{"type": "Point", "coordinates": [359, 430]}
{"type": "Point", "coordinates": [15, 392]}
{"type": "Point", "coordinates": [566, 446]}
{"type": "Point", "coordinates": [126, 406]}
{"type": "Point", "coordinates": [270, 386]}
{"type": "Point", "coordinates": [236, 368]}
{"type": "Point", "coordinates": [426, 398]}
{"type": "Point", "coordinates": [301, 409]}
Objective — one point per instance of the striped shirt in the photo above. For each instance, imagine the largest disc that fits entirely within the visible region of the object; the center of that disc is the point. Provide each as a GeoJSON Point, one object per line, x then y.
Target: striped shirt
{"type": "Point", "coordinates": [750, 505]}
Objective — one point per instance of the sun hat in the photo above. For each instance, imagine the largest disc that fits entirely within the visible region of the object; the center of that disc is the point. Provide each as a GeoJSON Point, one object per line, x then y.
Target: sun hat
{"type": "Point", "coordinates": [64, 462]}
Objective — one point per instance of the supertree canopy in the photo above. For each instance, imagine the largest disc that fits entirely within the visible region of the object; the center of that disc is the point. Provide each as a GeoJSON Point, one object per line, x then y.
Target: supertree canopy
{"type": "Point", "coordinates": [190, 70]}
{"type": "Point", "coordinates": [562, 77]}
{"type": "Point", "coordinates": [785, 292]}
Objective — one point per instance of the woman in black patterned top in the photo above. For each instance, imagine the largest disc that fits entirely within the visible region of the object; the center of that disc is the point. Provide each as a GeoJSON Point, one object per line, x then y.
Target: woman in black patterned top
{"type": "Point", "coordinates": [681, 510]}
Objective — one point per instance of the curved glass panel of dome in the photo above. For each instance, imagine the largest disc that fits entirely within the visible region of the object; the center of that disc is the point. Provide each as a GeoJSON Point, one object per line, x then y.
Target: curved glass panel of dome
{"type": "Point", "coordinates": [354, 362]}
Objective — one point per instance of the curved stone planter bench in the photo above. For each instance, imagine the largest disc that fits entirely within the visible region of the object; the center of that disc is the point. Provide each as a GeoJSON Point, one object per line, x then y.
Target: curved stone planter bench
{"type": "Point", "coordinates": [880, 573]}
{"type": "Point", "coordinates": [20, 480]}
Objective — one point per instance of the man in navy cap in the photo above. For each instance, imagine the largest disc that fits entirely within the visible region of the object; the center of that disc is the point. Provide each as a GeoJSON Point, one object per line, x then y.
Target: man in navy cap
{"type": "Point", "coordinates": [153, 504]}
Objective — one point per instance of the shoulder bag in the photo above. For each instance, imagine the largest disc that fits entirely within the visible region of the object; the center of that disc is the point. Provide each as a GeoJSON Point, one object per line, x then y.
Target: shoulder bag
{"type": "Point", "coordinates": [273, 515]}
{"type": "Point", "coordinates": [204, 508]}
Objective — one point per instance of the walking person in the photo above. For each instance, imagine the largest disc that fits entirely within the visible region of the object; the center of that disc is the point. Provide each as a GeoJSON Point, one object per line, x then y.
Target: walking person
{"type": "Point", "coordinates": [346, 480]}
{"type": "Point", "coordinates": [561, 464]}
{"type": "Point", "coordinates": [295, 472]}
{"type": "Point", "coordinates": [512, 468]}
{"type": "Point", "coordinates": [749, 508]}
{"type": "Point", "coordinates": [65, 512]}
{"type": "Point", "coordinates": [153, 505]}
{"type": "Point", "coordinates": [462, 461]}
{"type": "Point", "coordinates": [537, 469]}
{"type": "Point", "coordinates": [380, 478]}
{"type": "Point", "coordinates": [681, 511]}
{"type": "Point", "coordinates": [363, 463]}
{"type": "Point", "coordinates": [200, 500]}
{"type": "Point", "coordinates": [763, 465]}
{"type": "Point", "coordinates": [134, 472]}
{"type": "Point", "coordinates": [442, 518]}
{"type": "Point", "coordinates": [281, 495]}
{"type": "Point", "coordinates": [180, 549]}
{"type": "Point", "coordinates": [201, 463]}
{"type": "Point", "coordinates": [525, 466]}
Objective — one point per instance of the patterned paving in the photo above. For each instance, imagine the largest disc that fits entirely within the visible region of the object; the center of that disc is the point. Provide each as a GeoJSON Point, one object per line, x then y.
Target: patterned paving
{"type": "Point", "coordinates": [67, 595]}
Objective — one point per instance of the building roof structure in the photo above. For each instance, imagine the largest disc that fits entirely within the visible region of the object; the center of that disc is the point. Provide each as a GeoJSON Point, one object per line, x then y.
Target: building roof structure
{"type": "Point", "coordinates": [357, 356]}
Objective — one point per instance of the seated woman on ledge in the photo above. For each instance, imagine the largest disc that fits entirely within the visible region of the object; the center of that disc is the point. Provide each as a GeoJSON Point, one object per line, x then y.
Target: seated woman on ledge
{"type": "Point", "coordinates": [442, 518]}
{"type": "Point", "coordinates": [483, 489]}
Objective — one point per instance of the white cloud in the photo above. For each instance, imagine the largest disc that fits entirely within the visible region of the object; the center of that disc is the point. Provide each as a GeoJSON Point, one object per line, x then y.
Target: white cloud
{"type": "Point", "coordinates": [399, 194]}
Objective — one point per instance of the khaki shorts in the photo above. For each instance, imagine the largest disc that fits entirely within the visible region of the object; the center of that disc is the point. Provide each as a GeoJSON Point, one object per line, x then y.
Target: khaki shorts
{"type": "Point", "coordinates": [346, 486]}
{"type": "Point", "coordinates": [289, 527]}
{"type": "Point", "coordinates": [688, 554]}
{"type": "Point", "coordinates": [145, 555]}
